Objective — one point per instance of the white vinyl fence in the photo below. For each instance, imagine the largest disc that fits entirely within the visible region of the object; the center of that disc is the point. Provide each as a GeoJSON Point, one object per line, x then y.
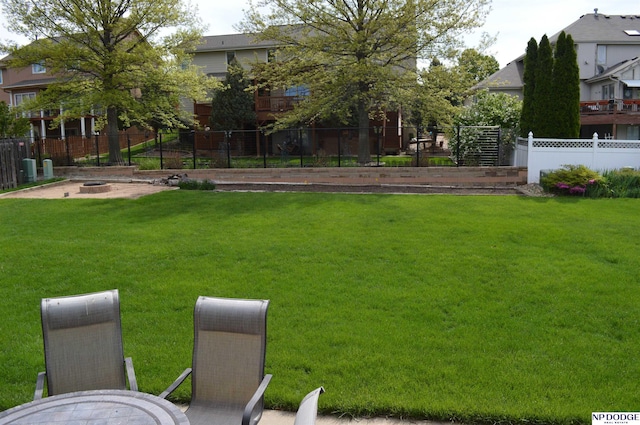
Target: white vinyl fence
{"type": "Point", "coordinates": [597, 154]}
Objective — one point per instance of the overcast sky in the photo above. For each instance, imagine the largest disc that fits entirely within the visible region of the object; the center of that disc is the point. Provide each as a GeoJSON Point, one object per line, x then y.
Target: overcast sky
{"type": "Point", "coordinates": [513, 21]}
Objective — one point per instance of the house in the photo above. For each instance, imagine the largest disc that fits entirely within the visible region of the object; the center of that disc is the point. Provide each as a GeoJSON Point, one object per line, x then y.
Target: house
{"type": "Point", "coordinates": [608, 48]}
{"type": "Point", "coordinates": [20, 84]}
{"type": "Point", "coordinates": [70, 138]}
{"type": "Point", "coordinates": [213, 56]}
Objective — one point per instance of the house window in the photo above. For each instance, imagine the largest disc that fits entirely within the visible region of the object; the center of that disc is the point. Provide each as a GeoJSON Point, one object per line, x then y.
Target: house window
{"type": "Point", "coordinates": [0, 76]}
{"type": "Point", "coordinates": [38, 68]}
{"type": "Point", "coordinates": [230, 57]}
{"type": "Point", "coordinates": [297, 91]}
{"type": "Point", "coordinates": [601, 57]}
{"type": "Point", "coordinates": [22, 97]}
{"type": "Point", "coordinates": [607, 91]}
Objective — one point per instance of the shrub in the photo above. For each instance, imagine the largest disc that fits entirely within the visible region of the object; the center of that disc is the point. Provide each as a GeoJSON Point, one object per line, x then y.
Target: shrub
{"type": "Point", "coordinates": [148, 164]}
{"type": "Point", "coordinates": [571, 180]}
{"type": "Point", "coordinates": [192, 184]}
{"type": "Point", "coordinates": [623, 183]}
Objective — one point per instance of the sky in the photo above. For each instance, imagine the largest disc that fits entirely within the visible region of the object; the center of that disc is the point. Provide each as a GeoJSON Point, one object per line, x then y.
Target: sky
{"type": "Point", "coordinates": [513, 22]}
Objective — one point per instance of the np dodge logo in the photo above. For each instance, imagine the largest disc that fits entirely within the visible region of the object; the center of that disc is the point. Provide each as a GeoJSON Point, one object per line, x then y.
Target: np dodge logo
{"type": "Point", "coordinates": [615, 418]}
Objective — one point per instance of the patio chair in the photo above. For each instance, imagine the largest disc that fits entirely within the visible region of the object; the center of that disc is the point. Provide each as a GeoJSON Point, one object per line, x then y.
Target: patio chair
{"type": "Point", "coordinates": [83, 345]}
{"type": "Point", "coordinates": [308, 410]}
{"type": "Point", "coordinates": [227, 373]}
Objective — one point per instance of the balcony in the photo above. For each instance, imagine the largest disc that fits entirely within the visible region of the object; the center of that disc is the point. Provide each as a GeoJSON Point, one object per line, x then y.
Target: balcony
{"type": "Point", "coordinates": [267, 107]}
{"type": "Point", "coordinates": [607, 115]}
{"type": "Point", "coordinates": [613, 106]}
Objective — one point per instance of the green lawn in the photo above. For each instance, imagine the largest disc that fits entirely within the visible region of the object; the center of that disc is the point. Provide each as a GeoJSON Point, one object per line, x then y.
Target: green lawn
{"type": "Point", "coordinates": [486, 309]}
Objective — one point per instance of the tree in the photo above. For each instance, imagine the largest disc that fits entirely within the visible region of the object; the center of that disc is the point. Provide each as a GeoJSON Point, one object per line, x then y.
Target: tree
{"type": "Point", "coordinates": [233, 103]}
{"type": "Point", "coordinates": [356, 57]}
{"type": "Point", "coordinates": [566, 89]}
{"type": "Point", "coordinates": [438, 96]}
{"type": "Point", "coordinates": [543, 92]}
{"type": "Point", "coordinates": [476, 67]}
{"type": "Point", "coordinates": [442, 89]}
{"type": "Point", "coordinates": [109, 55]}
{"type": "Point", "coordinates": [490, 109]}
{"type": "Point", "coordinates": [10, 125]}
{"type": "Point", "coordinates": [527, 118]}
{"type": "Point", "coordinates": [551, 89]}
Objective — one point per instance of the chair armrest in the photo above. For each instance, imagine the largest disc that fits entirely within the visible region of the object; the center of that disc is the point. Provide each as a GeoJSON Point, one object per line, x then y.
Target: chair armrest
{"type": "Point", "coordinates": [308, 410]}
{"type": "Point", "coordinates": [257, 396]}
{"type": "Point", "coordinates": [131, 374]}
{"type": "Point", "coordinates": [37, 395]}
{"type": "Point", "coordinates": [176, 383]}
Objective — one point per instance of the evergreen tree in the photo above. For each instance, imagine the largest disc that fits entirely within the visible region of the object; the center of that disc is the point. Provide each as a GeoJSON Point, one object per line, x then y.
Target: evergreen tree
{"type": "Point", "coordinates": [527, 117]}
{"type": "Point", "coordinates": [566, 89]}
{"type": "Point", "coordinates": [233, 103]}
{"type": "Point", "coordinates": [543, 106]}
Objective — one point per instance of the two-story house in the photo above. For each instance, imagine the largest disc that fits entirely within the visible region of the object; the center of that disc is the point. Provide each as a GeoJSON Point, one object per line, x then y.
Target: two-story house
{"type": "Point", "coordinates": [608, 48]}
{"type": "Point", "coordinates": [20, 84]}
{"type": "Point", "coordinates": [213, 56]}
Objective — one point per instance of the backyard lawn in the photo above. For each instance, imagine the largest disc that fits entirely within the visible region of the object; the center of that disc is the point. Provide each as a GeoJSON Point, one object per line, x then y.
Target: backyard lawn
{"type": "Point", "coordinates": [480, 309]}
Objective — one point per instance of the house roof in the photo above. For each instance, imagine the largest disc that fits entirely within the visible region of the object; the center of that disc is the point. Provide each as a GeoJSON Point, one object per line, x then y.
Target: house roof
{"type": "Point", "coordinates": [227, 42]}
{"type": "Point", "coordinates": [615, 70]}
{"type": "Point", "coordinates": [590, 28]}
{"type": "Point", "coordinates": [603, 29]}
{"type": "Point", "coordinates": [24, 84]}
{"type": "Point", "coordinates": [509, 77]}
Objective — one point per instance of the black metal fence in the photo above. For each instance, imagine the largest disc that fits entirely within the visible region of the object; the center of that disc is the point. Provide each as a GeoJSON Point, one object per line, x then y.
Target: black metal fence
{"type": "Point", "coordinates": [299, 147]}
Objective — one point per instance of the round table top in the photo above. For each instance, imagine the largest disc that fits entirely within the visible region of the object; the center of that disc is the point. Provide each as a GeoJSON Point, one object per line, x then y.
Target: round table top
{"type": "Point", "coordinates": [97, 407]}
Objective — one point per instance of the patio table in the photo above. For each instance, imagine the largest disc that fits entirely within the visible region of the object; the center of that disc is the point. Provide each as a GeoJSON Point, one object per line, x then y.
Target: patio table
{"type": "Point", "coordinates": [105, 407]}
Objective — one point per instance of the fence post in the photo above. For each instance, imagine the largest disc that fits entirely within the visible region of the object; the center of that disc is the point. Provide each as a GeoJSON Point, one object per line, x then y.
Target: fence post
{"type": "Point", "coordinates": [418, 130]}
{"type": "Point", "coordinates": [192, 134]}
{"type": "Point", "coordinates": [227, 137]}
{"type": "Point", "coordinates": [339, 147]}
{"type": "Point", "coordinates": [97, 149]}
{"type": "Point", "coordinates": [300, 147]}
{"type": "Point", "coordinates": [159, 135]}
{"type": "Point", "coordinates": [458, 150]}
{"type": "Point", "coordinates": [129, 148]}
{"type": "Point", "coordinates": [595, 149]}
{"type": "Point", "coordinates": [264, 146]}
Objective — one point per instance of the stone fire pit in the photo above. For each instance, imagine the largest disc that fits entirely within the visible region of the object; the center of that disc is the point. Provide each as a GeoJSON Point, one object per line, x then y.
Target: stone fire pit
{"type": "Point", "coordinates": [95, 187]}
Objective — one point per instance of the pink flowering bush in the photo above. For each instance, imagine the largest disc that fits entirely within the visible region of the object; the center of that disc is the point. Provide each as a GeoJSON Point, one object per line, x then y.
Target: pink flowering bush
{"type": "Point", "coordinates": [574, 180]}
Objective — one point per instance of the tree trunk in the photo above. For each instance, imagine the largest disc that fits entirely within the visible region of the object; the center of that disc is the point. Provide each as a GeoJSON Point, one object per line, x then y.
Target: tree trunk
{"type": "Point", "coordinates": [115, 156]}
{"type": "Point", "coordinates": [364, 150]}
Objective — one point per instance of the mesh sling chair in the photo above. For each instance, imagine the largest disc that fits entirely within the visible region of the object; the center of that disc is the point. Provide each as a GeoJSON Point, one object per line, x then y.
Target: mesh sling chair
{"type": "Point", "coordinates": [227, 373]}
{"type": "Point", "coordinates": [308, 410]}
{"type": "Point", "coordinates": [83, 350]}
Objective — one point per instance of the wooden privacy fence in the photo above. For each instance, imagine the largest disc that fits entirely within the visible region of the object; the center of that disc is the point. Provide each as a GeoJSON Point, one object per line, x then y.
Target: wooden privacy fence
{"type": "Point", "coordinates": [66, 151]}
{"type": "Point", "coordinates": [12, 152]}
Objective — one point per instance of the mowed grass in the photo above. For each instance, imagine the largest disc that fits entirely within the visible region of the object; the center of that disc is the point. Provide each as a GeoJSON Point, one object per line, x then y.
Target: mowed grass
{"type": "Point", "coordinates": [480, 309]}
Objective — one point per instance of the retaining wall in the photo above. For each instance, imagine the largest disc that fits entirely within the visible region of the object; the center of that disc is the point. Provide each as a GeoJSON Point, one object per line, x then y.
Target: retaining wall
{"type": "Point", "coordinates": [434, 176]}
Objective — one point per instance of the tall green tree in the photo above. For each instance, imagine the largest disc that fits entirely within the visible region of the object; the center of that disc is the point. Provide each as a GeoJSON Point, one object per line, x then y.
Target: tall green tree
{"type": "Point", "coordinates": [442, 89]}
{"type": "Point", "coordinates": [355, 56]}
{"type": "Point", "coordinates": [10, 124]}
{"type": "Point", "coordinates": [109, 55]}
{"type": "Point", "coordinates": [527, 117]}
{"type": "Point", "coordinates": [474, 66]}
{"type": "Point", "coordinates": [543, 97]}
{"type": "Point", "coordinates": [233, 102]}
{"type": "Point", "coordinates": [566, 89]}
